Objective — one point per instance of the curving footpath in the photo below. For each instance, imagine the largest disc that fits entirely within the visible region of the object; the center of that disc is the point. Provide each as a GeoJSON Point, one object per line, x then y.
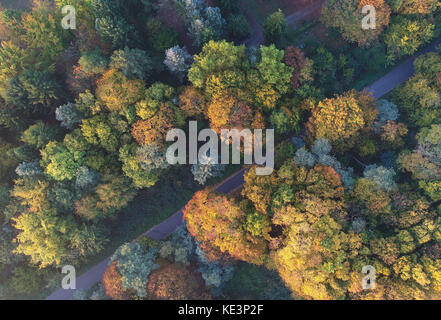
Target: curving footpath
{"type": "Point", "coordinates": [378, 89]}
{"type": "Point", "coordinates": [158, 232]}
{"type": "Point", "coordinates": [398, 75]}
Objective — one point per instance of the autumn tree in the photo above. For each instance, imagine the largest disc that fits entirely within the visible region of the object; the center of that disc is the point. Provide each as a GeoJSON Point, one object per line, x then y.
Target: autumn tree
{"type": "Point", "coordinates": [113, 284]}
{"type": "Point", "coordinates": [342, 118]}
{"type": "Point", "coordinates": [229, 110]}
{"type": "Point", "coordinates": [42, 31]}
{"type": "Point", "coordinates": [346, 15]}
{"type": "Point", "coordinates": [295, 58]}
{"type": "Point", "coordinates": [45, 246]}
{"type": "Point", "coordinates": [192, 102]}
{"type": "Point", "coordinates": [406, 35]}
{"type": "Point", "coordinates": [422, 7]}
{"type": "Point", "coordinates": [215, 220]}
{"type": "Point", "coordinates": [107, 198]}
{"type": "Point", "coordinates": [310, 207]}
{"type": "Point", "coordinates": [117, 92]}
{"type": "Point", "coordinates": [176, 282]}
{"type": "Point", "coordinates": [155, 128]}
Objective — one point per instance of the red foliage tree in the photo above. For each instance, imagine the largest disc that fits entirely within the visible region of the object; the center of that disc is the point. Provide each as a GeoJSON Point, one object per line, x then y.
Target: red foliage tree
{"type": "Point", "coordinates": [294, 57]}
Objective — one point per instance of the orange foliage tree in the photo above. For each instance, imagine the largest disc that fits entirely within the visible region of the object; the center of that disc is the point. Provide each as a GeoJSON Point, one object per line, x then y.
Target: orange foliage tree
{"type": "Point", "coordinates": [112, 283]}
{"type": "Point", "coordinates": [230, 110]}
{"type": "Point", "coordinates": [176, 282]}
{"type": "Point", "coordinates": [216, 220]}
{"type": "Point", "coordinates": [154, 129]}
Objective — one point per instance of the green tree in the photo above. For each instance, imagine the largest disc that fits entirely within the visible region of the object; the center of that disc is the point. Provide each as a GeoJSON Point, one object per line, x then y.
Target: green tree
{"type": "Point", "coordinates": [132, 62]}
{"type": "Point", "coordinates": [275, 27]}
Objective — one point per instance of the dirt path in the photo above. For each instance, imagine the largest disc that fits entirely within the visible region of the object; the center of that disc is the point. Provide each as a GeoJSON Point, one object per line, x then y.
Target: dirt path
{"type": "Point", "coordinates": [307, 13]}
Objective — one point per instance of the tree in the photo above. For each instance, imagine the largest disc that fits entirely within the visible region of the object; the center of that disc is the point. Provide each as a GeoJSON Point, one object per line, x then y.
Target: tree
{"type": "Point", "coordinates": [32, 91]}
{"type": "Point", "coordinates": [89, 241]}
{"type": "Point", "coordinates": [274, 77]}
{"type": "Point", "coordinates": [59, 162]}
{"type": "Point", "coordinates": [132, 63]}
{"type": "Point", "coordinates": [176, 282]}
{"type": "Point", "coordinates": [161, 36]}
{"type": "Point", "coordinates": [220, 62]}
{"type": "Point", "coordinates": [414, 7]}
{"type": "Point", "coordinates": [420, 96]}
{"type": "Point", "coordinates": [404, 36]}
{"type": "Point", "coordinates": [340, 119]}
{"type": "Point", "coordinates": [238, 27]}
{"type": "Point", "coordinates": [206, 169]}
{"type": "Point", "coordinates": [99, 130]}
{"type": "Point", "coordinates": [424, 162]}
{"type": "Point", "coordinates": [46, 245]}
{"type": "Point", "coordinates": [381, 176]}
{"type": "Point", "coordinates": [154, 129]}
{"type": "Point", "coordinates": [42, 32]}
{"type": "Point", "coordinates": [230, 110]}
{"type": "Point", "coordinates": [86, 178]}
{"type": "Point", "coordinates": [306, 265]}
{"type": "Point", "coordinates": [141, 166]}
{"type": "Point", "coordinates": [39, 134]}
{"type": "Point", "coordinates": [203, 23]}
{"type": "Point", "coordinates": [274, 27]}
{"type": "Point", "coordinates": [28, 169]}
{"type": "Point", "coordinates": [68, 115]}
{"type": "Point", "coordinates": [285, 120]}
{"type": "Point", "coordinates": [135, 264]}
{"type": "Point", "coordinates": [178, 60]}
{"type": "Point", "coordinates": [112, 25]}
{"type": "Point", "coordinates": [192, 102]}
{"type": "Point", "coordinates": [157, 95]}
{"type": "Point", "coordinates": [118, 92]}
{"type": "Point", "coordinates": [110, 196]}
{"type": "Point", "coordinates": [13, 60]}
{"type": "Point", "coordinates": [347, 16]}
{"type": "Point", "coordinates": [151, 158]}
{"type": "Point", "coordinates": [215, 220]}
{"type": "Point", "coordinates": [112, 282]}
{"type": "Point", "coordinates": [93, 62]}
{"type": "Point", "coordinates": [295, 58]}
